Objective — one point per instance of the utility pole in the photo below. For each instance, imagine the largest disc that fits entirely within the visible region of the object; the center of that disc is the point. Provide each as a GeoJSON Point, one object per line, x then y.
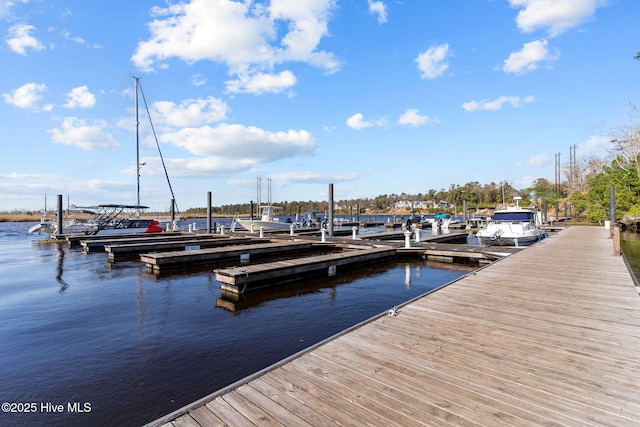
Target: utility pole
{"type": "Point", "coordinates": [558, 173]}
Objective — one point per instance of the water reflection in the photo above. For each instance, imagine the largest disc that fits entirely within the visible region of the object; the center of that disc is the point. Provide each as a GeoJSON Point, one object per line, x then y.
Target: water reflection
{"type": "Point", "coordinates": [60, 268]}
{"type": "Point", "coordinates": [630, 244]}
{"type": "Point", "coordinates": [235, 302]}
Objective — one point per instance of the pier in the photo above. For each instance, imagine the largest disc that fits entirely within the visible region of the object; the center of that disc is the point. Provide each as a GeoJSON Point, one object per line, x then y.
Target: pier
{"type": "Point", "coordinates": [548, 335]}
{"type": "Point", "coordinates": [157, 262]}
{"type": "Point", "coordinates": [240, 279]}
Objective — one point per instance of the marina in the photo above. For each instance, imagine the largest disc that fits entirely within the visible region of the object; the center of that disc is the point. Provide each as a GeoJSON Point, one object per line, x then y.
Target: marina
{"type": "Point", "coordinates": [514, 343]}
{"type": "Point", "coordinates": [75, 328]}
{"type": "Point", "coordinates": [313, 294]}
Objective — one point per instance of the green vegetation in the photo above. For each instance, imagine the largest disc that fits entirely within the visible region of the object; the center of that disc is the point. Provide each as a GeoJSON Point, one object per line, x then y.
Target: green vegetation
{"type": "Point", "coordinates": [585, 189]}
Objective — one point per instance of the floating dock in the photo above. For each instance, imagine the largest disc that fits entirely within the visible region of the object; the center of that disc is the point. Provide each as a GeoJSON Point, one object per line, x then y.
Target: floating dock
{"type": "Point", "coordinates": [546, 336]}
{"type": "Point", "coordinates": [159, 262]}
{"type": "Point", "coordinates": [448, 252]}
{"type": "Point", "coordinates": [241, 279]}
{"type": "Point", "coordinates": [119, 251]}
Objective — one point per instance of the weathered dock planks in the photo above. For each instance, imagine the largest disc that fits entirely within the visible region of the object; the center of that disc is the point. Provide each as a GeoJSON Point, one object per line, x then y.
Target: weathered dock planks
{"type": "Point", "coordinates": [97, 243]}
{"type": "Point", "coordinates": [120, 251]}
{"type": "Point", "coordinates": [157, 262]}
{"type": "Point", "coordinates": [240, 279]}
{"type": "Point", "coordinates": [546, 336]}
{"type": "Point", "coordinates": [449, 252]}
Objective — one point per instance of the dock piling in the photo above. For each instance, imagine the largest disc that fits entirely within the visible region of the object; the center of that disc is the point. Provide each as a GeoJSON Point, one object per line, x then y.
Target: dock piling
{"type": "Point", "coordinates": [208, 212]}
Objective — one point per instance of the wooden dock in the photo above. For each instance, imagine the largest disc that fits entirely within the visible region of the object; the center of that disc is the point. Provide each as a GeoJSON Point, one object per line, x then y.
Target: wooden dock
{"type": "Point", "coordinates": [158, 262]}
{"type": "Point", "coordinates": [449, 252]}
{"type": "Point", "coordinates": [239, 279]}
{"type": "Point", "coordinates": [547, 336]}
{"type": "Point", "coordinates": [119, 251]}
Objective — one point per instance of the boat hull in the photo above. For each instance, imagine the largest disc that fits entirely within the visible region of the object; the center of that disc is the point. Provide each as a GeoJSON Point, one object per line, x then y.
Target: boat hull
{"type": "Point", "coordinates": [255, 225]}
{"type": "Point", "coordinates": [505, 240]}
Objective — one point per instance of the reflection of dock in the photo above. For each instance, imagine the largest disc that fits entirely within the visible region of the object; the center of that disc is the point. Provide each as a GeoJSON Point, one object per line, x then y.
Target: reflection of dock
{"type": "Point", "coordinates": [234, 301]}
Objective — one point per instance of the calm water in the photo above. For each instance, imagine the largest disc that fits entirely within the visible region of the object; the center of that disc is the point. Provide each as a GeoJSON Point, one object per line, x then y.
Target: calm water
{"type": "Point", "coordinates": [115, 346]}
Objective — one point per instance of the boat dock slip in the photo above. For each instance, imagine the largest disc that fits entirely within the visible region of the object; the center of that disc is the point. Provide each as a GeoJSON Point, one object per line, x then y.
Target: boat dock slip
{"type": "Point", "coordinates": [241, 279]}
{"type": "Point", "coordinates": [549, 335]}
{"type": "Point", "coordinates": [96, 243]}
{"type": "Point", "coordinates": [75, 240]}
{"type": "Point", "coordinates": [157, 262]}
{"type": "Point", "coordinates": [448, 252]}
{"type": "Point", "coordinates": [120, 251]}
{"type": "Point", "coordinates": [391, 235]}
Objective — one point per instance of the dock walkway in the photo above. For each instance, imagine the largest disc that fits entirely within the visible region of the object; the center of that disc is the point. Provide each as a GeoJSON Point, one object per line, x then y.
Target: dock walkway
{"type": "Point", "coordinates": [549, 335]}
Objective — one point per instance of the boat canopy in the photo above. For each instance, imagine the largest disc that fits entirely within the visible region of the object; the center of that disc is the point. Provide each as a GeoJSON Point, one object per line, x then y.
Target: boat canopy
{"type": "Point", "coordinates": [513, 216]}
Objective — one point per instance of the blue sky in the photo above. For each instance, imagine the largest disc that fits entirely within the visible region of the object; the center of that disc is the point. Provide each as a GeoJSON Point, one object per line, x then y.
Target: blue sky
{"type": "Point", "coordinates": [376, 97]}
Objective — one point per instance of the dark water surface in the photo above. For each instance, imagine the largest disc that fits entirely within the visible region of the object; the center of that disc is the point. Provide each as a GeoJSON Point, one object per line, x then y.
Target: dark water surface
{"type": "Point", "coordinates": [630, 244]}
{"type": "Point", "coordinates": [85, 344]}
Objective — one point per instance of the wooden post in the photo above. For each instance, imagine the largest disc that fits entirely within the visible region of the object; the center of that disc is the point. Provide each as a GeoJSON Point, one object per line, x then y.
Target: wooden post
{"type": "Point", "coordinates": [330, 222]}
{"type": "Point", "coordinates": [208, 212]}
{"type": "Point", "coordinates": [616, 239]}
{"type": "Point", "coordinates": [59, 229]}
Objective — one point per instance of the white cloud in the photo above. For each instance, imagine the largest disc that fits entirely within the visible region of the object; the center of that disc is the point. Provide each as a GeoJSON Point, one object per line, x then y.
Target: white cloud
{"type": "Point", "coordinates": [379, 9]}
{"type": "Point", "coordinates": [357, 122]}
{"type": "Point", "coordinates": [20, 39]}
{"type": "Point", "coordinates": [80, 97]}
{"type": "Point", "coordinates": [5, 8]}
{"type": "Point", "coordinates": [259, 83]}
{"type": "Point", "coordinates": [310, 177]}
{"type": "Point", "coordinates": [557, 16]}
{"type": "Point", "coordinates": [250, 144]}
{"type": "Point", "coordinates": [539, 160]}
{"type": "Point", "coordinates": [528, 58]}
{"type": "Point", "coordinates": [247, 37]}
{"type": "Point", "coordinates": [525, 181]}
{"type": "Point", "coordinates": [412, 117]}
{"type": "Point", "coordinates": [514, 101]}
{"type": "Point", "coordinates": [77, 39]}
{"type": "Point", "coordinates": [432, 62]}
{"type": "Point", "coordinates": [596, 146]}
{"type": "Point", "coordinates": [26, 96]}
{"type": "Point", "coordinates": [79, 133]}
{"type": "Point", "coordinates": [190, 112]}
{"type": "Point", "coordinates": [198, 80]}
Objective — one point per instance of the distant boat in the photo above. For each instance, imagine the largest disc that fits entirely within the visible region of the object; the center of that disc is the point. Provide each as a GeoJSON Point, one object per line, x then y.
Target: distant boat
{"type": "Point", "coordinates": [513, 226]}
{"type": "Point", "coordinates": [106, 219]}
{"type": "Point", "coordinates": [443, 220]}
{"type": "Point", "coordinates": [267, 221]}
{"type": "Point", "coordinates": [109, 218]}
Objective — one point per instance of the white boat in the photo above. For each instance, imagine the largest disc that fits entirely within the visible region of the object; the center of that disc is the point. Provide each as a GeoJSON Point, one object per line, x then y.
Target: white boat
{"type": "Point", "coordinates": [109, 218]}
{"type": "Point", "coordinates": [513, 226]}
{"type": "Point", "coordinates": [106, 219]}
{"type": "Point", "coordinates": [267, 221]}
{"type": "Point", "coordinates": [443, 221]}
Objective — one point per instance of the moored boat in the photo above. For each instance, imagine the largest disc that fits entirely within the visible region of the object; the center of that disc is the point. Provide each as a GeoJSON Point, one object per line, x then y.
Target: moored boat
{"type": "Point", "coordinates": [267, 221]}
{"type": "Point", "coordinates": [513, 226]}
{"type": "Point", "coordinates": [104, 219]}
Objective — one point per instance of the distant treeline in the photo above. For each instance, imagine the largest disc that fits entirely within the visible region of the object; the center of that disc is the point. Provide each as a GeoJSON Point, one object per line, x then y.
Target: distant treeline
{"type": "Point", "coordinates": [473, 193]}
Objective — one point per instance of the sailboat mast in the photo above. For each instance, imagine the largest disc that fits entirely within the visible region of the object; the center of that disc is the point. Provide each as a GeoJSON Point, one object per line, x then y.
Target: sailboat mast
{"type": "Point", "coordinates": [137, 144]}
{"type": "Point", "coordinates": [259, 191]}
